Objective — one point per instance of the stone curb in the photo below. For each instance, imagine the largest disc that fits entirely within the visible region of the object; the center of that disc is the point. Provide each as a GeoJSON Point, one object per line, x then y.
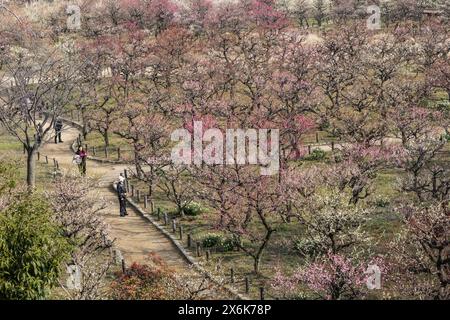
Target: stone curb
{"type": "Point", "coordinates": [146, 216]}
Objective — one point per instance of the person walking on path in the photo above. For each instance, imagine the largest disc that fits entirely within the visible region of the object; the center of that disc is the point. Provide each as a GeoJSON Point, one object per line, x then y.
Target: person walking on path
{"type": "Point", "coordinates": [58, 129]}
{"type": "Point", "coordinates": [83, 155]}
{"type": "Point", "coordinates": [122, 194]}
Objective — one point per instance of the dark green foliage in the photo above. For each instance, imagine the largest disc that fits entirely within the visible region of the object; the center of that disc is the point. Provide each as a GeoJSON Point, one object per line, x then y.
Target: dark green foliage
{"type": "Point", "coordinates": [212, 240]}
{"type": "Point", "coordinates": [316, 155]}
{"type": "Point", "coordinates": [193, 209]}
{"type": "Point", "coordinates": [32, 249]}
{"type": "Point", "coordinates": [8, 176]}
{"type": "Point", "coordinates": [218, 241]}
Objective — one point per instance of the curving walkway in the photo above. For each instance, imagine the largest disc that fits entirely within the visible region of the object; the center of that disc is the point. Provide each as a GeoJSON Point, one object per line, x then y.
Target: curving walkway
{"type": "Point", "coordinates": [135, 237]}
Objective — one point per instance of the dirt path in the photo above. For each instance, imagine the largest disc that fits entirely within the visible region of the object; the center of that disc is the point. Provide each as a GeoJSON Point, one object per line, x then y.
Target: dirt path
{"type": "Point", "coordinates": [135, 237]}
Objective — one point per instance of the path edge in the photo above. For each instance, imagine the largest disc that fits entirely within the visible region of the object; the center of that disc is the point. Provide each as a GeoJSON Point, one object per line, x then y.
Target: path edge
{"type": "Point", "coordinates": [186, 255]}
{"type": "Point", "coordinates": [146, 216]}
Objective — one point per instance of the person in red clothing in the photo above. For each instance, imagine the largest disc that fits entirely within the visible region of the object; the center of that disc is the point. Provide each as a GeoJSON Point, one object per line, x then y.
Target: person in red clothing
{"type": "Point", "coordinates": [83, 155]}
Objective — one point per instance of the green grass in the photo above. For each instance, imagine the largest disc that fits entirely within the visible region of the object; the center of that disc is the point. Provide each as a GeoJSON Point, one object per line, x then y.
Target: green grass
{"type": "Point", "coordinates": [95, 139]}
{"type": "Point", "coordinates": [8, 143]}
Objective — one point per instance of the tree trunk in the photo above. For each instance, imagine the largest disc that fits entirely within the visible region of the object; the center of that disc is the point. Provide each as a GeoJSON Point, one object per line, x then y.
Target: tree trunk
{"type": "Point", "coordinates": [85, 123]}
{"type": "Point", "coordinates": [138, 168]}
{"type": "Point", "coordinates": [258, 256]}
{"type": "Point", "coordinates": [256, 263]}
{"type": "Point", "coordinates": [31, 168]}
{"type": "Point", "coordinates": [106, 137]}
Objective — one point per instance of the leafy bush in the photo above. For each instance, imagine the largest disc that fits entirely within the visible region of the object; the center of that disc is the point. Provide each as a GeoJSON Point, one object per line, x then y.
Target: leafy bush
{"type": "Point", "coordinates": [212, 240]}
{"type": "Point", "coordinates": [444, 106]}
{"type": "Point", "coordinates": [316, 155]}
{"type": "Point", "coordinates": [8, 175]}
{"type": "Point", "coordinates": [447, 137]}
{"type": "Point", "coordinates": [193, 209]}
{"type": "Point", "coordinates": [228, 245]}
{"type": "Point", "coordinates": [32, 250]}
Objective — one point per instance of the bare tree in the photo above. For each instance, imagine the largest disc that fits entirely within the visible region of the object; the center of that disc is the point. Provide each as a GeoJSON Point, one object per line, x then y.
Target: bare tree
{"type": "Point", "coordinates": [36, 84]}
{"type": "Point", "coordinates": [77, 212]}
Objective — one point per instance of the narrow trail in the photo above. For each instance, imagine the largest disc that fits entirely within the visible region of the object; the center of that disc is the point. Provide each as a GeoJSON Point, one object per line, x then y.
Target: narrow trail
{"type": "Point", "coordinates": [135, 237]}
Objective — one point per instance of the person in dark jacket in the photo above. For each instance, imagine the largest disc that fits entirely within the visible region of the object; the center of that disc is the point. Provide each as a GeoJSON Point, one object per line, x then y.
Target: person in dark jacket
{"type": "Point", "coordinates": [122, 194]}
{"type": "Point", "coordinates": [83, 155]}
{"type": "Point", "coordinates": [58, 129]}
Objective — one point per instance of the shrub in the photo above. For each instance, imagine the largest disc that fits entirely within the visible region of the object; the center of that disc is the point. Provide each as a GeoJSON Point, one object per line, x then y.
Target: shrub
{"type": "Point", "coordinates": [32, 250]}
{"type": "Point", "coordinates": [316, 155]}
{"type": "Point", "coordinates": [193, 209]}
{"type": "Point", "coordinates": [447, 137]}
{"type": "Point", "coordinates": [218, 241]}
{"type": "Point", "coordinates": [212, 240]}
{"type": "Point", "coordinates": [228, 244]}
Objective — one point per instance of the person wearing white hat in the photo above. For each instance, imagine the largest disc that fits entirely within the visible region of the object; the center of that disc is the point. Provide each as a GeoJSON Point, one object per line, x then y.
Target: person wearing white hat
{"type": "Point", "coordinates": [122, 194]}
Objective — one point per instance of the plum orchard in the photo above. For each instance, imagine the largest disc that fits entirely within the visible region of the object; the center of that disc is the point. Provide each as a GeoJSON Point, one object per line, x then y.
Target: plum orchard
{"type": "Point", "coordinates": [141, 69]}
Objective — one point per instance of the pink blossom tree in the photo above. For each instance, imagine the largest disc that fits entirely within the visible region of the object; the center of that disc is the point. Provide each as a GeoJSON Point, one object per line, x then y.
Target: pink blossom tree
{"type": "Point", "coordinates": [333, 277]}
{"type": "Point", "coordinates": [249, 206]}
{"type": "Point", "coordinates": [421, 252]}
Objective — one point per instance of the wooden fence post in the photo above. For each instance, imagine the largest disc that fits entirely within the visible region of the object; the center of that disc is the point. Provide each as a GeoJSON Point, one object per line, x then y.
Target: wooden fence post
{"type": "Point", "coordinates": [123, 266]}
{"type": "Point", "coordinates": [332, 145]}
{"type": "Point", "coordinates": [317, 137]}
{"type": "Point", "coordinates": [174, 225]}
{"type": "Point", "coordinates": [189, 240]}
{"type": "Point", "coordinates": [106, 152]}
{"type": "Point", "coordinates": [145, 201]}
{"type": "Point", "coordinates": [165, 219]}
{"type": "Point", "coordinates": [247, 285]}
{"type": "Point", "coordinates": [158, 212]}
{"type": "Point", "coordinates": [309, 149]}
{"type": "Point", "coordinates": [132, 190]}
{"type": "Point", "coordinates": [208, 255]}
{"type": "Point", "coordinates": [198, 249]}
{"type": "Point", "coordinates": [138, 196]}
{"type": "Point", "coordinates": [46, 159]}
{"type": "Point", "coordinates": [261, 293]}
{"type": "Point", "coordinates": [180, 228]}
{"type": "Point", "coordinates": [38, 156]}
{"type": "Point", "coordinates": [232, 275]}
{"type": "Point", "coordinates": [118, 154]}
{"type": "Point", "coordinates": [127, 185]}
